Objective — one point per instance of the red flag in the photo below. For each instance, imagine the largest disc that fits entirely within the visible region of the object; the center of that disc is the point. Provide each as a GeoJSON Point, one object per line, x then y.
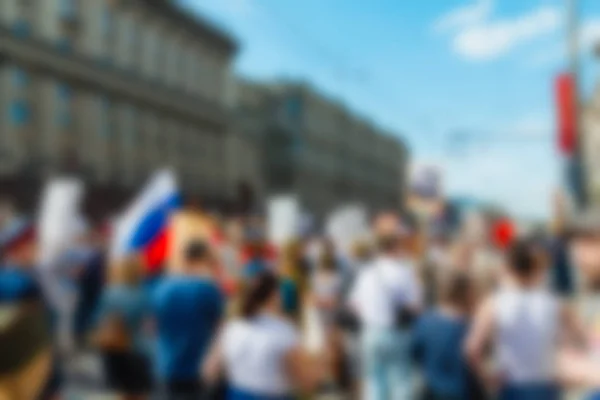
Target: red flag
{"type": "Point", "coordinates": [503, 233]}
{"type": "Point", "coordinates": [156, 252]}
{"type": "Point", "coordinates": [567, 114]}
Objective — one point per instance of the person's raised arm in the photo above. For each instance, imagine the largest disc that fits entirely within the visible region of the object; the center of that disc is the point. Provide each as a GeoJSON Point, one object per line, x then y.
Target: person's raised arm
{"type": "Point", "coordinates": [214, 363]}
{"type": "Point", "coordinates": [480, 336]}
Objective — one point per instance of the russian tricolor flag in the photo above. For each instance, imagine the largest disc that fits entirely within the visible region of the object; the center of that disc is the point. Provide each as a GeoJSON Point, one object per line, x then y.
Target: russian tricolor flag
{"type": "Point", "coordinates": [143, 227]}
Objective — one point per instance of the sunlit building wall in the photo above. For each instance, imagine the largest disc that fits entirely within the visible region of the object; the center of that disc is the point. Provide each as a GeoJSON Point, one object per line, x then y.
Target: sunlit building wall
{"type": "Point", "coordinates": [591, 147]}
{"type": "Point", "coordinates": [116, 87]}
{"type": "Point", "coordinates": [316, 147]}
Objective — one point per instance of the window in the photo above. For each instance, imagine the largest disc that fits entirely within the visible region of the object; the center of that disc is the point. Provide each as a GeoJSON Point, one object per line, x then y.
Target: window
{"type": "Point", "coordinates": [19, 108]}
{"type": "Point", "coordinates": [159, 54]}
{"type": "Point", "coordinates": [20, 112]}
{"type": "Point", "coordinates": [107, 21]}
{"type": "Point", "coordinates": [104, 113]}
{"type": "Point", "coordinates": [68, 9]}
{"type": "Point", "coordinates": [108, 32]}
{"type": "Point", "coordinates": [25, 10]}
{"type": "Point", "coordinates": [21, 28]}
{"type": "Point", "coordinates": [20, 78]}
{"type": "Point", "coordinates": [64, 95]}
{"type": "Point", "coordinates": [64, 45]}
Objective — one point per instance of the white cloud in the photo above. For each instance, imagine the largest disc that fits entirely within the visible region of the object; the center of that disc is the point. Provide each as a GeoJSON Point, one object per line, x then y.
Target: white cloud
{"type": "Point", "coordinates": [475, 36]}
{"type": "Point", "coordinates": [491, 40]}
{"type": "Point", "coordinates": [466, 15]}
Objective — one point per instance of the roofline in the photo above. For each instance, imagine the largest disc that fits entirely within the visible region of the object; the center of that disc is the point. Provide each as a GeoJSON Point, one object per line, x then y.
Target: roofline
{"type": "Point", "coordinates": [194, 23]}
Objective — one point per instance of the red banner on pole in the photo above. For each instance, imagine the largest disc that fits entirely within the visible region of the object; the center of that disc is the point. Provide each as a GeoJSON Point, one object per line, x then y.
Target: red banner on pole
{"type": "Point", "coordinates": [566, 112]}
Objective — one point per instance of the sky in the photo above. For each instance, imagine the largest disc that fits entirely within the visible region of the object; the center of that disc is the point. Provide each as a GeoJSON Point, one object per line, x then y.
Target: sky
{"type": "Point", "coordinates": [467, 84]}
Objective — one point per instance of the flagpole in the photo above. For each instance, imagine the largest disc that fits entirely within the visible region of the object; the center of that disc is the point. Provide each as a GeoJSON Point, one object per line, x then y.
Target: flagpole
{"type": "Point", "coordinates": [573, 53]}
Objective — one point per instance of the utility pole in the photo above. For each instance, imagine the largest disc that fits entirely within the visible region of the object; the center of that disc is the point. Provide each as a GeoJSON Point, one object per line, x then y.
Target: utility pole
{"type": "Point", "coordinates": [578, 162]}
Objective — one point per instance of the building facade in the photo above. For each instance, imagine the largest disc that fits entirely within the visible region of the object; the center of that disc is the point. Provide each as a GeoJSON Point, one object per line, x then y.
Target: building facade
{"type": "Point", "coordinates": [115, 88]}
{"type": "Point", "coordinates": [315, 147]}
{"type": "Point", "coordinates": [591, 148]}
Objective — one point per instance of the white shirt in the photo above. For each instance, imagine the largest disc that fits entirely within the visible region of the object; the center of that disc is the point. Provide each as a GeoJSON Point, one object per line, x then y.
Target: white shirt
{"type": "Point", "coordinates": [381, 287]}
{"type": "Point", "coordinates": [255, 353]}
{"type": "Point", "coordinates": [327, 285]}
{"type": "Point", "coordinates": [527, 333]}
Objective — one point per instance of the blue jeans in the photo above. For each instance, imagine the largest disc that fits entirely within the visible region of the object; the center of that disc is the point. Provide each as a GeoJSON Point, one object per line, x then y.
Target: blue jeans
{"type": "Point", "coordinates": [545, 391]}
{"type": "Point", "coordinates": [594, 396]}
{"type": "Point", "coordinates": [387, 366]}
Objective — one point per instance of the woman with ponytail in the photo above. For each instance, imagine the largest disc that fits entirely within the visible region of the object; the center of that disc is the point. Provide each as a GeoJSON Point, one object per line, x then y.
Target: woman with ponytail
{"type": "Point", "coordinates": [261, 352]}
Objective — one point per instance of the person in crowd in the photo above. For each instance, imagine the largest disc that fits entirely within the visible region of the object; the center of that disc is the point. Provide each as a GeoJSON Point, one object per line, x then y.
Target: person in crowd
{"type": "Point", "coordinates": [325, 295]}
{"type": "Point", "coordinates": [361, 254]}
{"type": "Point", "coordinates": [579, 364]}
{"type": "Point", "coordinates": [122, 333]}
{"type": "Point", "coordinates": [386, 297]}
{"type": "Point", "coordinates": [435, 259]}
{"type": "Point", "coordinates": [26, 361]}
{"type": "Point", "coordinates": [91, 283]}
{"type": "Point", "coordinates": [486, 267]}
{"type": "Point", "coordinates": [438, 341]}
{"type": "Point", "coordinates": [257, 255]}
{"type": "Point", "coordinates": [188, 308]}
{"type": "Point", "coordinates": [522, 322]}
{"type": "Point", "coordinates": [294, 274]}
{"type": "Point", "coordinates": [17, 274]}
{"type": "Point", "coordinates": [229, 248]}
{"type": "Point", "coordinates": [261, 352]}
{"type": "Point", "coordinates": [327, 285]}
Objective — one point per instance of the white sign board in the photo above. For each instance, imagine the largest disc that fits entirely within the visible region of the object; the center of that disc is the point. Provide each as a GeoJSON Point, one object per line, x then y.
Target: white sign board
{"type": "Point", "coordinates": [347, 225]}
{"type": "Point", "coordinates": [59, 225]}
{"type": "Point", "coordinates": [426, 181]}
{"type": "Point", "coordinates": [283, 219]}
{"type": "Point", "coordinates": [60, 221]}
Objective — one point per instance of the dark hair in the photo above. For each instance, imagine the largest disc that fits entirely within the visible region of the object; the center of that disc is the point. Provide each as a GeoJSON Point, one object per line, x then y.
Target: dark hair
{"type": "Point", "coordinates": [196, 251]}
{"type": "Point", "coordinates": [521, 257]}
{"type": "Point", "coordinates": [456, 288]}
{"type": "Point", "coordinates": [327, 259]}
{"type": "Point", "coordinates": [387, 243]}
{"type": "Point", "coordinates": [258, 293]}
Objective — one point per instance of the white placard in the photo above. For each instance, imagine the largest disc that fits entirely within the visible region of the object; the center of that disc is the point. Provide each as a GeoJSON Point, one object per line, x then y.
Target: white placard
{"type": "Point", "coordinates": [59, 225]}
{"type": "Point", "coordinates": [426, 181]}
{"type": "Point", "coordinates": [346, 225]}
{"type": "Point", "coordinates": [283, 219]}
{"type": "Point", "coordinates": [60, 220]}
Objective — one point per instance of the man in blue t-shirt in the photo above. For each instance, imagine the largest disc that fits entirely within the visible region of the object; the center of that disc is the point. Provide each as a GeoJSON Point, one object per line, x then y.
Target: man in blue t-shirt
{"type": "Point", "coordinates": [17, 280]}
{"type": "Point", "coordinates": [188, 309]}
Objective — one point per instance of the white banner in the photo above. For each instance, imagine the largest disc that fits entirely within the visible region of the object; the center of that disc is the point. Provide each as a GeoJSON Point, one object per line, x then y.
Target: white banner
{"type": "Point", "coordinates": [346, 225]}
{"type": "Point", "coordinates": [283, 219]}
{"type": "Point", "coordinates": [60, 221]}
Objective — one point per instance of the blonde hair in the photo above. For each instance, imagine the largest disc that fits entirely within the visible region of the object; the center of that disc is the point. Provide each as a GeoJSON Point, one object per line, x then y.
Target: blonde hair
{"type": "Point", "coordinates": [126, 271]}
{"type": "Point", "coordinates": [289, 263]}
{"type": "Point", "coordinates": [362, 249]}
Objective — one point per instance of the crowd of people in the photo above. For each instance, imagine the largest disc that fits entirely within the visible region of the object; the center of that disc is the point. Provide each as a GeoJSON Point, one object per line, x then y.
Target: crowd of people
{"type": "Point", "coordinates": [404, 313]}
